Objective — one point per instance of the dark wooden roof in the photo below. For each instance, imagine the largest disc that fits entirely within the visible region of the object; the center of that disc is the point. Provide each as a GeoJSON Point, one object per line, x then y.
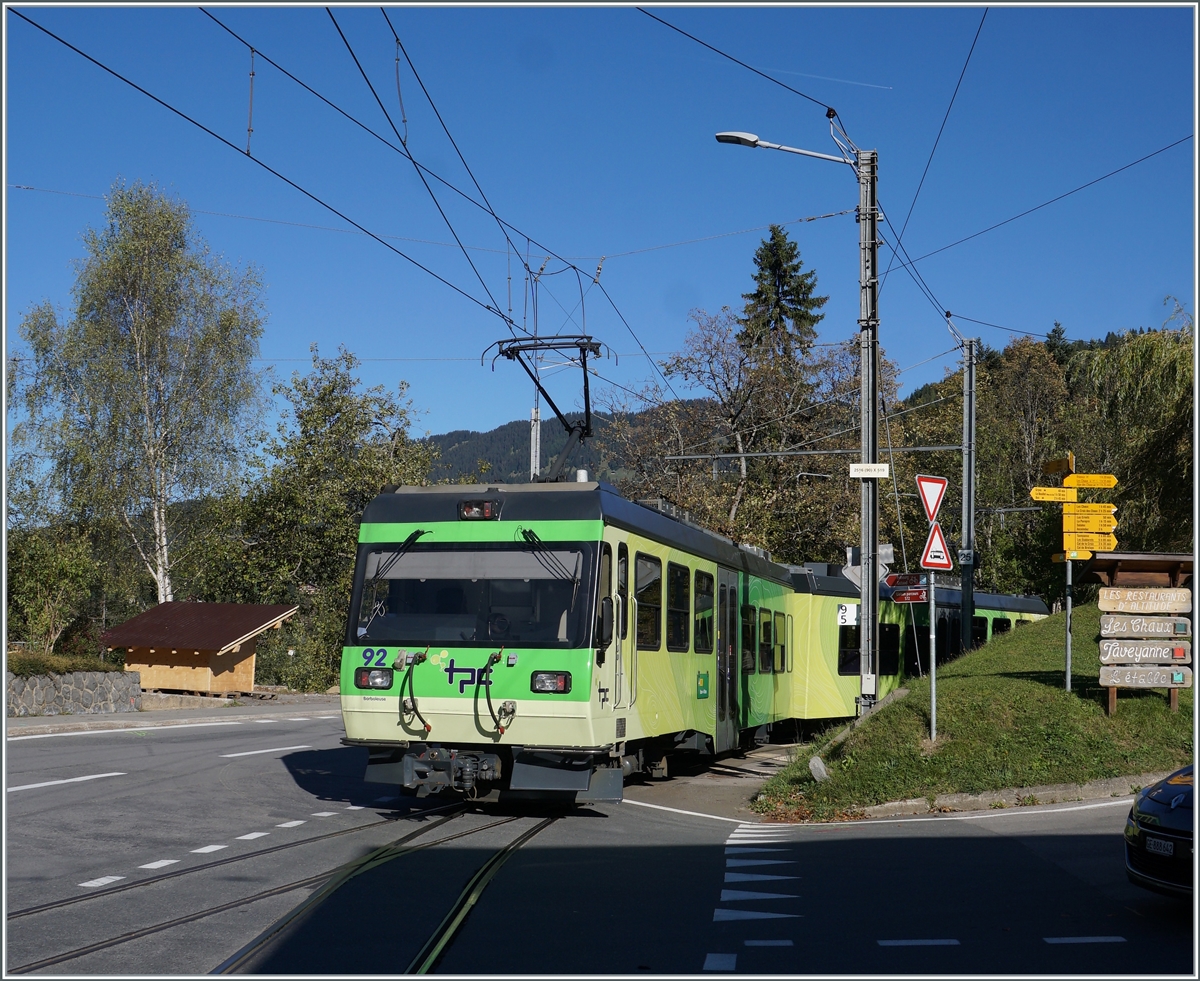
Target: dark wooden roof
{"type": "Point", "coordinates": [1138, 569]}
{"type": "Point", "coordinates": [197, 626]}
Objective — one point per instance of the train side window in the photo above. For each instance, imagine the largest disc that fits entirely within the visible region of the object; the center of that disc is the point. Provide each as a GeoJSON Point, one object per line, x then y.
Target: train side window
{"type": "Point", "coordinates": [889, 649]}
{"type": "Point", "coordinates": [780, 642]}
{"type": "Point", "coordinates": [979, 631]}
{"type": "Point", "coordinates": [679, 606]}
{"type": "Point", "coordinates": [1024, 623]}
{"type": "Point", "coordinates": [766, 650]}
{"type": "Point", "coordinates": [748, 646]}
{"type": "Point", "coordinates": [605, 588]}
{"type": "Point", "coordinates": [849, 655]}
{"type": "Point", "coordinates": [623, 587]}
{"type": "Point", "coordinates": [1001, 625]}
{"type": "Point", "coordinates": [704, 613]}
{"type": "Point", "coordinates": [791, 644]}
{"type": "Point", "coordinates": [648, 590]}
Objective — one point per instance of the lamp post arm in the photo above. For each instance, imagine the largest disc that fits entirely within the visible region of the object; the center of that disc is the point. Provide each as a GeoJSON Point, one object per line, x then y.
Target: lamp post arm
{"type": "Point", "coordinates": [805, 153]}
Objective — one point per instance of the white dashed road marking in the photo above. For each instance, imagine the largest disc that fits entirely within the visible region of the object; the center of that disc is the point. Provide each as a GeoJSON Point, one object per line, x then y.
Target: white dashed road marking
{"type": "Point", "coordinates": [208, 848]}
{"type": "Point", "coordinates": [252, 835]}
{"type": "Point", "coordinates": [256, 752]}
{"type": "Point", "coordinates": [354, 807]}
{"type": "Point", "coordinates": [739, 895]}
{"type": "Point", "coordinates": [55, 783]}
{"type": "Point", "coordinates": [917, 943]}
{"type": "Point", "coordinates": [747, 851]}
{"type": "Point", "coordinates": [721, 915]}
{"type": "Point", "coordinates": [299, 720]}
{"type": "Point", "coordinates": [749, 877]}
{"type": "Point", "coordinates": [1084, 940]}
{"type": "Point", "coordinates": [324, 814]}
{"type": "Point", "coordinates": [733, 863]}
{"type": "Point", "coordinates": [102, 881]}
{"type": "Point", "coordinates": [720, 962]}
{"type": "Point", "coordinates": [162, 863]}
{"type": "Point", "coordinates": [290, 824]}
{"type": "Point", "coordinates": [769, 943]}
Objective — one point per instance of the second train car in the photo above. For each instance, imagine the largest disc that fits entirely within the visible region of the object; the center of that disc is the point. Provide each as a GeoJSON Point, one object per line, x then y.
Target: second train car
{"type": "Point", "coordinates": [551, 639]}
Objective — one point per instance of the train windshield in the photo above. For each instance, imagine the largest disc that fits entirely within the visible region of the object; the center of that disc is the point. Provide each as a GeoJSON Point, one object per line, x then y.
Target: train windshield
{"type": "Point", "coordinates": [531, 596]}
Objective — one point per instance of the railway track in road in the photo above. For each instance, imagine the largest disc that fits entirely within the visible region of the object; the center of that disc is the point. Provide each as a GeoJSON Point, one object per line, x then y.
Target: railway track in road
{"type": "Point", "coordinates": [441, 938]}
{"type": "Point", "coordinates": [328, 882]}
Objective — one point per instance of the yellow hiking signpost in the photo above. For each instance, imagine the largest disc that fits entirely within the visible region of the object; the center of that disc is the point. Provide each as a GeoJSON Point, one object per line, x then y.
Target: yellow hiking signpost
{"type": "Point", "coordinates": [1054, 494]}
{"type": "Point", "coordinates": [1089, 480]}
{"type": "Point", "coordinates": [1090, 543]}
{"type": "Point", "coordinates": [1093, 523]}
{"type": "Point", "coordinates": [1087, 527]}
{"type": "Point", "coordinates": [1069, 508]}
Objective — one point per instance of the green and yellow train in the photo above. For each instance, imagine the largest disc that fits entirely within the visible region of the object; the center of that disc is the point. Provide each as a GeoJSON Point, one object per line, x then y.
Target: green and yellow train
{"type": "Point", "coordinates": [553, 638]}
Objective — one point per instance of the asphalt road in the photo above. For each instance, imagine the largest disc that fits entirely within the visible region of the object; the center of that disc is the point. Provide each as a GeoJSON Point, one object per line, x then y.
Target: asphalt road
{"type": "Point", "coordinates": [639, 887]}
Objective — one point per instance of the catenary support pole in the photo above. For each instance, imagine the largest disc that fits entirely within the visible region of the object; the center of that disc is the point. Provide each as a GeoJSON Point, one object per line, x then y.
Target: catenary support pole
{"type": "Point", "coordinates": [966, 555]}
{"type": "Point", "coordinates": [868, 322]}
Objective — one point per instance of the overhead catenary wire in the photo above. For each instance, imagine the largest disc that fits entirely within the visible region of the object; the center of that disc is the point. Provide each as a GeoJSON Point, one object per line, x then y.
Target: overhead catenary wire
{"type": "Point", "coordinates": [402, 150]}
{"type": "Point", "coordinates": [933, 150]}
{"type": "Point", "coordinates": [308, 194]}
{"type": "Point", "coordinates": [386, 115]}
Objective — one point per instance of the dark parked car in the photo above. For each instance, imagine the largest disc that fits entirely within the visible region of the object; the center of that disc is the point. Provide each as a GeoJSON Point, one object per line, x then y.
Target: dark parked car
{"type": "Point", "coordinates": [1158, 835]}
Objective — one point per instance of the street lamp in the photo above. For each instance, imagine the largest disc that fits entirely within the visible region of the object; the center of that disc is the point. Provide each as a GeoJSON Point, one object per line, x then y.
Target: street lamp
{"type": "Point", "coordinates": [865, 164]}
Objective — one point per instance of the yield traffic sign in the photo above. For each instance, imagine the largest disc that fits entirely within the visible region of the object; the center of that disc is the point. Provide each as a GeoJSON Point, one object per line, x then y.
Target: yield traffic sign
{"type": "Point", "coordinates": [936, 554]}
{"type": "Point", "coordinates": [932, 490]}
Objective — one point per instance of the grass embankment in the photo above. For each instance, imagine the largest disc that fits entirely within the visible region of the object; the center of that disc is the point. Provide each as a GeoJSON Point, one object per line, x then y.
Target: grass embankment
{"type": "Point", "coordinates": [25, 664]}
{"type": "Point", "coordinates": [1004, 720]}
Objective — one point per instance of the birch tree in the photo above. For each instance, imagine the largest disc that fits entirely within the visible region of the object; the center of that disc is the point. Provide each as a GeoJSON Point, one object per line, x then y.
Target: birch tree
{"type": "Point", "coordinates": [135, 405]}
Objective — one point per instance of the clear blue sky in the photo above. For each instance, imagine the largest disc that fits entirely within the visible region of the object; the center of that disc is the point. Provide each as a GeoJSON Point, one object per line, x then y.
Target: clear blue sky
{"type": "Point", "coordinates": [592, 130]}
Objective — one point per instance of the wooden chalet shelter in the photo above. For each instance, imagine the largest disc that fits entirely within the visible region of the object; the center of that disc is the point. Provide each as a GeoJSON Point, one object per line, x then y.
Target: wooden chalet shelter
{"type": "Point", "coordinates": [1155, 569]}
{"type": "Point", "coordinates": [205, 648]}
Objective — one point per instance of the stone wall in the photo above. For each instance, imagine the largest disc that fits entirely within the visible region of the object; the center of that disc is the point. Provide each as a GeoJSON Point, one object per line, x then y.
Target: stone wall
{"type": "Point", "coordinates": [78, 693]}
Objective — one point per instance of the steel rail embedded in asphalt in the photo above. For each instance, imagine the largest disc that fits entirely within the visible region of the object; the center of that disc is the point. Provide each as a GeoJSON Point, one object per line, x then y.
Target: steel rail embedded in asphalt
{"type": "Point", "coordinates": [332, 878]}
{"type": "Point", "coordinates": [150, 880]}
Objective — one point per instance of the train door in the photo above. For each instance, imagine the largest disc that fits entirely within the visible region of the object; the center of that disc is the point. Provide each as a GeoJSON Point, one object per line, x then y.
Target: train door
{"type": "Point", "coordinates": [726, 736]}
{"type": "Point", "coordinates": [622, 642]}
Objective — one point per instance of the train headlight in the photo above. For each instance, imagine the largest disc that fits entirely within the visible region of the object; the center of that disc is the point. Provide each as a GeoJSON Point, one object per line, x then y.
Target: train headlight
{"type": "Point", "coordinates": [373, 678]}
{"type": "Point", "coordinates": [551, 682]}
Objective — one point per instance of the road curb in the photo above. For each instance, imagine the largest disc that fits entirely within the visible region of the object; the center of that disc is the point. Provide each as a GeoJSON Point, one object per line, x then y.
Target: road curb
{"type": "Point", "coordinates": [1055, 793]}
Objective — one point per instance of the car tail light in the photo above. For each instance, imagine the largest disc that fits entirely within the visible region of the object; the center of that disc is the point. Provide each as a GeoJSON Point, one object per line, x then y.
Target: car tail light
{"type": "Point", "coordinates": [551, 682]}
{"type": "Point", "coordinates": [373, 678]}
{"type": "Point", "coordinates": [479, 510]}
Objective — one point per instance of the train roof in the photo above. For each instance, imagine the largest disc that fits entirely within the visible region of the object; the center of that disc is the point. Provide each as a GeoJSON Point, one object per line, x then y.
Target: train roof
{"type": "Point", "coordinates": [579, 501]}
{"type": "Point", "coordinates": [598, 501]}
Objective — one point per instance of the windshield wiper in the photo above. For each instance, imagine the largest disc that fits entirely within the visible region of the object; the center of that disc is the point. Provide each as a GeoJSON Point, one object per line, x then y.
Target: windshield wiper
{"type": "Point", "coordinates": [552, 562]}
{"type": "Point", "coordinates": [386, 567]}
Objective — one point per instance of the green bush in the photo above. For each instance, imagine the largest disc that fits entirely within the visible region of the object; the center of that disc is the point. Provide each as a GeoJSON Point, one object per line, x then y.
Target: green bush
{"type": "Point", "coordinates": [25, 664]}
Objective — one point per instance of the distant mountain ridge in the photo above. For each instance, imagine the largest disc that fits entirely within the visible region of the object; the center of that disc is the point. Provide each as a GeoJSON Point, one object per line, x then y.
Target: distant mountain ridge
{"type": "Point", "coordinates": [506, 450]}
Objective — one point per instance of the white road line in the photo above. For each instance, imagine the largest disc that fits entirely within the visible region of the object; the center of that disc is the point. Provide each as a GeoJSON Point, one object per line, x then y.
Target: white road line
{"type": "Point", "coordinates": [264, 720]}
{"type": "Point", "coordinates": [252, 835]}
{"type": "Point", "coordinates": [162, 863]}
{"type": "Point", "coordinates": [1084, 940]}
{"type": "Point", "coordinates": [208, 848]}
{"type": "Point", "coordinates": [256, 752]}
{"type": "Point", "coordinates": [741, 895]}
{"type": "Point", "coordinates": [733, 850]}
{"type": "Point", "coordinates": [102, 881]}
{"type": "Point", "coordinates": [720, 962]}
{"type": "Point", "coordinates": [917, 943]}
{"type": "Point", "coordinates": [733, 863]}
{"type": "Point", "coordinates": [55, 783]}
{"type": "Point", "coordinates": [109, 732]}
{"type": "Point", "coordinates": [676, 810]}
{"type": "Point", "coordinates": [723, 915]}
{"type": "Point", "coordinates": [768, 943]}
{"type": "Point", "coordinates": [291, 824]}
{"type": "Point", "coordinates": [753, 877]}
{"type": "Point", "coordinates": [324, 814]}
{"type": "Point", "coordinates": [299, 720]}
{"type": "Point", "coordinates": [354, 807]}
{"type": "Point", "coordinates": [325, 717]}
